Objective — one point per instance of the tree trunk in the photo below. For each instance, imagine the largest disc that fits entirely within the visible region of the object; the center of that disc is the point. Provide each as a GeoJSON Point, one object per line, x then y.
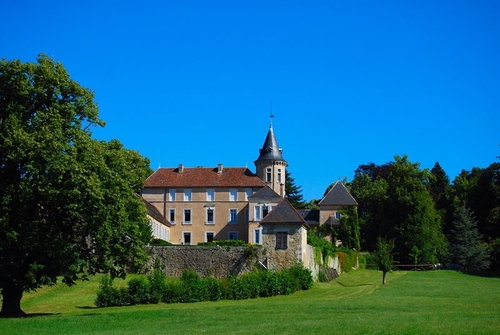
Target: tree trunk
{"type": "Point", "coordinates": [11, 305]}
{"type": "Point", "coordinates": [384, 273]}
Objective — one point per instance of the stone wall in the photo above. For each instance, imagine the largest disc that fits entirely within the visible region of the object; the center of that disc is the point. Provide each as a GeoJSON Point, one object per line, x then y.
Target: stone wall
{"type": "Point", "coordinates": [218, 262]}
{"type": "Point", "coordinates": [221, 262]}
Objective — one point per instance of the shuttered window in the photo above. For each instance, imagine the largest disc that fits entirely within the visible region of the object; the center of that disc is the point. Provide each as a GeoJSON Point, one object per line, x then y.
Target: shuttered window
{"type": "Point", "coordinates": [281, 240]}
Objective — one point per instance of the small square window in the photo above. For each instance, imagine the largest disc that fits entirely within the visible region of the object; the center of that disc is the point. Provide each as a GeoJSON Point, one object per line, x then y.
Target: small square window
{"type": "Point", "coordinates": [337, 215]}
{"type": "Point", "coordinates": [210, 195]}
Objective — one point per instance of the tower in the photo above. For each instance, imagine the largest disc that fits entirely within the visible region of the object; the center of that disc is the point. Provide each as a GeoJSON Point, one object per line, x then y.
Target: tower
{"type": "Point", "coordinates": [270, 165]}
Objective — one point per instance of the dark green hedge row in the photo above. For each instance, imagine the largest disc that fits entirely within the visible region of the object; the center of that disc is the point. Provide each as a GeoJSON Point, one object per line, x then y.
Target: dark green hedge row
{"type": "Point", "coordinates": [191, 288]}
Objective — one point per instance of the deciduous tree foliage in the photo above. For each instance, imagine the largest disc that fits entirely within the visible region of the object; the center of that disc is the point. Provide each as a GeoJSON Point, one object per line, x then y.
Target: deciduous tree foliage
{"type": "Point", "coordinates": [67, 202]}
{"type": "Point", "coordinates": [384, 256]}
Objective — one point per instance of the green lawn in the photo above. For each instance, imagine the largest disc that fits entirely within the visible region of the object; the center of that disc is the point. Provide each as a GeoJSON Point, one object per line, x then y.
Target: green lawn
{"type": "Point", "coordinates": [434, 302]}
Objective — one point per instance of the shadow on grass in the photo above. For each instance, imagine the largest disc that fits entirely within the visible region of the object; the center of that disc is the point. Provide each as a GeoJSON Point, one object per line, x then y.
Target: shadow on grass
{"type": "Point", "coordinates": [485, 274]}
{"type": "Point", "coordinates": [34, 315]}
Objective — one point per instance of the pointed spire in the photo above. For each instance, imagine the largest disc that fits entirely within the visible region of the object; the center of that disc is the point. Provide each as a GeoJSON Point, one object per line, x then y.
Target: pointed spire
{"type": "Point", "coordinates": [270, 150]}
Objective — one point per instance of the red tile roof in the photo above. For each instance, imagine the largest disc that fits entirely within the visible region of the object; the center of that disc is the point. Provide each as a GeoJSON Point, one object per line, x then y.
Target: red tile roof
{"type": "Point", "coordinates": [204, 177]}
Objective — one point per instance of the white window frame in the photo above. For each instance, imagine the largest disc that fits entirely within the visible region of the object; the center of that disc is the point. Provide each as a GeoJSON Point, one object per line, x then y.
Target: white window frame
{"type": "Point", "coordinates": [235, 233]}
{"type": "Point", "coordinates": [213, 215]}
{"type": "Point", "coordinates": [257, 232]}
{"type": "Point", "coordinates": [233, 195]}
{"type": "Point", "coordinates": [184, 237]}
{"type": "Point", "coordinates": [248, 192]}
{"type": "Point", "coordinates": [171, 194]}
{"type": "Point", "coordinates": [230, 221]}
{"type": "Point", "coordinates": [211, 195]}
{"type": "Point", "coordinates": [184, 216]}
{"type": "Point", "coordinates": [188, 195]}
{"type": "Point", "coordinates": [206, 235]}
{"type": "Point", "coordinates": [257, 212]}
{"type": "Point", "coordinates": [170, 211]}
{"type": "Point", "coordinates": [279, 175]}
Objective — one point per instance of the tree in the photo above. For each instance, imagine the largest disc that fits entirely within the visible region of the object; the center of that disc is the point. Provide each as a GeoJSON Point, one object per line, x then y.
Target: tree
{"type": "Point", "coordinates": [466, 244]}
{"type": "Point", "coordinates": [384, 256]}
{"type": "Point", "coordinates": [67, 202]}
{"type": "Point", "coordinates": [293, 192]}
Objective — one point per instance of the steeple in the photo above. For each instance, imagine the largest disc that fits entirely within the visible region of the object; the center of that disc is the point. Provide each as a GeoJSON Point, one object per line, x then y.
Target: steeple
{"type": "Point", "coordinates": [271, 165]}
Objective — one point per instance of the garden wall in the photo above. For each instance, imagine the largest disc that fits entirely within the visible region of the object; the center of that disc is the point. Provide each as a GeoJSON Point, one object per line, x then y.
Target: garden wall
{"type": "Point", "coordinates": [221, 262]}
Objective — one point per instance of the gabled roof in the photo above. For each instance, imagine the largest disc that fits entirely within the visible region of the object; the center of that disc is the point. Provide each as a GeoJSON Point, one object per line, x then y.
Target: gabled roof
{"type": "Point", "coordinates": [284, 213]}
{"type": "Point", "coordinates": [267, 194]}
{"type": "Point", "coordinates": [155, 213]}
{"type": "Point", "coordinates": [203, 177]}
{"type": "Point", "coordinates": [338, 196]}
{"type": "Point", "coordinates": [270, 149]}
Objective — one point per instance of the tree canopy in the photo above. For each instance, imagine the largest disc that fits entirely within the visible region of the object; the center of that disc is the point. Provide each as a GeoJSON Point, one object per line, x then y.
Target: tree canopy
{"type": "Point", "coordinates": [293, 192]}
{"type": "Point", "coordinates": [67, 202]}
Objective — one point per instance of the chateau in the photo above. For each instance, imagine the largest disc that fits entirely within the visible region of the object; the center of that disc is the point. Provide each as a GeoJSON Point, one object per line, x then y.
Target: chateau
{"type": "Point", "coordinates": [192, 205]}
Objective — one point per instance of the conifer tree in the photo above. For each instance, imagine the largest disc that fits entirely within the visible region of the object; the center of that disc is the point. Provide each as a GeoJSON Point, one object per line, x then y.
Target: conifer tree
{"type": "Point", "coordinates": [293, 192]}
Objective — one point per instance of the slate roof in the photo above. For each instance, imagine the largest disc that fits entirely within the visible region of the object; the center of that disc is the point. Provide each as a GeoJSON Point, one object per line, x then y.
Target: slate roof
{"type": "Point", "coordinates": [155, 213]}
{"type": "Point", "coordinates": [270, 149]}
{"type": "Point", "coordinates": [338, 196]}
{"type": "Point", "coordinates": [204, 177]}
{"type": "Point", "coordinates": [266, 193]}
{"type": "Point", "coordinates": [284, 213]}
{"type": "Point", "coordinates": [310, 215]}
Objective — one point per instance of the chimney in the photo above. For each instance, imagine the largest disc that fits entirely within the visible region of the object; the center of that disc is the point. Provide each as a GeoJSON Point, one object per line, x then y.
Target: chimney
{"type": "Point", "coordinates": [181, 168]}
{"type": "Point", "coordinates": [219, 168]}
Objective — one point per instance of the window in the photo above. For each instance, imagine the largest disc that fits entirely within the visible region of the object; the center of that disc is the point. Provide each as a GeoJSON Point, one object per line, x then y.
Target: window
{"type": "Point", "coordinates": [171, 215]}
{"type": "Point", "coordinates": [256, 236]}
{"type": "Point", "coordinates": [209, 236]}
{"type": "Point", "coordinates": [247, 215]}
{"type": "Point", "coordinates": [337, 215]}
{"type": "Point", "coordinates": [281, 240]}
{"type": "Point", "coordinates": [257, 213]}
{"type": "Point", "coordinates": [279, 175]}
{"type": "Point", "coordinates": [171, 194]}
{"type": "Point", "coordinates": [210, 195]}
{"type": "Point", "coordinates": [187, 216]}
{"type": "Point", "coordinates": [233, 195]}
{"type": "Point", "coordinates": [248, 192]}
{"type": "Point", "coordinates": [269, 176]}
{"type": "Point", "coordinates": [210, 215]}
{"type": "Point", "coordinates": [187, 195]}
{"type": "Point", "coordinates": [232, 235]}
{"type": "Point", "coordinates": [186, 237]}
{"type": "Point", "coordinates": [233, 216]}
{"type": "Point", "coordinates": [265, 211]}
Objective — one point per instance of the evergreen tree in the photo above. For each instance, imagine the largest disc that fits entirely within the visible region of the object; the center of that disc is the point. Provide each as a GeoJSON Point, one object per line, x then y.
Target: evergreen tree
{"type": "Point", "coordinates": [293, 192]}
{"type": "Point", "coordinates": [466, 243]}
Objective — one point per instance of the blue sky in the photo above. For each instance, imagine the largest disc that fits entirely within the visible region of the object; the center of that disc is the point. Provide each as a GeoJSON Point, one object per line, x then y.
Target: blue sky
{"type": "Point", "coordinates": [350, 82]}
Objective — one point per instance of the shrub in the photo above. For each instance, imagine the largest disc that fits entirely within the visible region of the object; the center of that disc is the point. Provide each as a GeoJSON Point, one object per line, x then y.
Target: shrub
{"type": "Point", "coordinates": [193, 288]}
{"type": "Point", "coordinates": [158, 283]}
{"type": "Point", "coordinates": [139, 291]}
{"type": "Point", "coordinates": [160, 242]}
{"type": "Point", "coordinates": [213, 289]}
{"type": "Point", "coordinates": [347, 259]}
{"type": "Point", "coordinates": [108, 296]}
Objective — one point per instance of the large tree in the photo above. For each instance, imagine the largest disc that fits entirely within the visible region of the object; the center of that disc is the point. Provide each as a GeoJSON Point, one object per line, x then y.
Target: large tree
{"type": "Point", "coordinates": [293, 192]}
{"type": "Point", "coordinates": [467, 247]}
{"type": "Point", "coordinates": [67, 202]}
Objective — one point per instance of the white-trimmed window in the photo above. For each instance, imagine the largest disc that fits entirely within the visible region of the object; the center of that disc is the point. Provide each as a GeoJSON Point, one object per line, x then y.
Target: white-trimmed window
{"type": "Point", "coordinates": [186, 238]}
{"type": "Point", "coordinates": [210, 215]}
{"type": "Point", "coordinates": [337, 215]}
{"type": "Point", "coordinates": [257, 236]}
{"type": "Point", "coordinates": [171, 194]}
{"type": "Point", "coordinates": [269, 175]}
{"type": "Point", "coordinates": [186, 219]}
{"type": "Point", "coordinates": [232, 235]}
{"type": "Point", "coordinates": [257, 213]}
{"type": "Point", "coordinates": [211, 195]}
{"type": "Point", "coordinates": [187, 195]}
{"type": "Point", "coordinates": [248, 192]}
{"type": "Point", "coordinates": [171, 215]}
{"type": "Point", "coordinates": [233, 195]}
{"type": "Point", "coordinates": [233, 216]}
{"type": "Point", "coordinates": [281, 240]}
{"type": "Point", "coordinates": [209, 236]}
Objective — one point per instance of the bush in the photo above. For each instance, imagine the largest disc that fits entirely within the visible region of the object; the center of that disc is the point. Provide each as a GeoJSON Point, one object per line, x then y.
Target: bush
{"type": "Point", "coordinates": [159, 242]}
{"type": "Point", "coordinates": [108, 296]}
{"type": "Point", "coordinates": [347, 259]}
{"type": "Point", "coordinates": [139, 291]}
{"type": "Point", "coordinates": [158, 284]}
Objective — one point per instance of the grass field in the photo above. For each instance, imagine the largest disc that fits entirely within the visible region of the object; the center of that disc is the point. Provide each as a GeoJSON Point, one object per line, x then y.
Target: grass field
{"type": "Point", "coordinates": [434, 302]}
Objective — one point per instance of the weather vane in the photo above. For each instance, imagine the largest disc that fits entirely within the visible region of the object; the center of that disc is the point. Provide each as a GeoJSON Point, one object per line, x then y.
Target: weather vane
{"type": "Point", "coordinates": [271, 115]}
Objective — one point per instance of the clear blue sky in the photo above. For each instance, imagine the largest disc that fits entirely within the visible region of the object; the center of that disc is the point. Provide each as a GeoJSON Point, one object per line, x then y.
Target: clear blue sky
{"type": "Point", "coordinates": [351, 82]}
